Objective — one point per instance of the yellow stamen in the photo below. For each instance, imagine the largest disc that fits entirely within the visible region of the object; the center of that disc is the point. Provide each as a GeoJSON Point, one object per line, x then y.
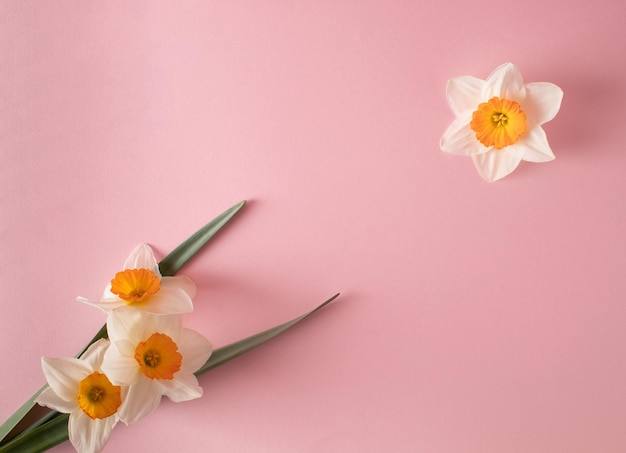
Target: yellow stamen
{"type": "Point", "coordinates": [97, 397]}
{"type": "Point", "coordinates": [135, 285]}
{"type": "Point", "coordinates": [498, 122]}
{"type": "Point", "coordinates": [158, 357]}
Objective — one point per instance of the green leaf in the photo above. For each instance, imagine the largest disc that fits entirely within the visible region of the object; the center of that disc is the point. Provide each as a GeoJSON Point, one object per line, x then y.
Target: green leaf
{"type": "Point", "coordinates": [226, 353]}
{"type": "Point", "coordinates": [173, 262]}
{"type": "Point", "coordinates": [41, 438]}
{"type": "Point", "coordinates": [25, 413]}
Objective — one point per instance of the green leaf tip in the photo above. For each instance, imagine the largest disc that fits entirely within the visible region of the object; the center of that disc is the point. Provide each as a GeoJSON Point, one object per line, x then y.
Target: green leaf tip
{"type": "Point", "coordinates": [233, 350]}
{"type": "Point", "coordinates": [173, 262]}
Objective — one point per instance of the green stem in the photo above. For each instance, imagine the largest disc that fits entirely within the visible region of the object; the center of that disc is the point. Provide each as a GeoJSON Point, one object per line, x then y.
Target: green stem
{"type": "Point", "coordinates": [233, 350]}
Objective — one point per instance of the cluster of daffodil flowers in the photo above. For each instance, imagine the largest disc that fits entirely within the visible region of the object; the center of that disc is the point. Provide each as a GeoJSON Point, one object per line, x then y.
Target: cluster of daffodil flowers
{"type": "Point", "coordinates": [142, 353]}
{"type": "Point", "coordinates": [148, 354]}
{"type": "Point", "coordinates": [498, 120]}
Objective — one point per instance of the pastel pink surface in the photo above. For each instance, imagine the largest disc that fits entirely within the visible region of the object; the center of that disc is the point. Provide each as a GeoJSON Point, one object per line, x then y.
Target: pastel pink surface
{"type": "Point", "coordinates": [474, 317]}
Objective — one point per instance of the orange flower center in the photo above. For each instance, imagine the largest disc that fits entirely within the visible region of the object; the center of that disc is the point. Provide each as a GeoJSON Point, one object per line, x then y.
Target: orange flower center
{"type": "Point", "coordinates": [135, 285]}
{"type": "Point", "coordinates": [498, 122]}
{"type": "Point", "coordinates": [97, 397]}
{"type": "Point", "coordinates": [158, 357]}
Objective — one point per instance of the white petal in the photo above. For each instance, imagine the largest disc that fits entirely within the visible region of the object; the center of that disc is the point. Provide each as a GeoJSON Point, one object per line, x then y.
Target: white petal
{"type": "Point", "coordinates": [107, 294]}
{"type": "Point", "coordinates": [89, 435]}
{"type": "Point", "coordinates": [170, 325]}
{"type": "Point", "coordinates": [183, 388]}
{"type": "Point", "coordinates": [95, 353]}
{"type": "Point", "coordinates": [463, 93]}
{"type": "Point", "coordinates": [534, 145]}
{"type": "Point", "coordinates": [543, 101]}
{"type": "Point", "coordinates": [505, 82]}
{"type": "Point", "coordinates": [123, 323]}
{"type": "Point", "coordinates": [64, 375]}
{"type": "Point", "coordinates": [142, 257]}
{"type": "Point", "coordinates": [459, 138]}
{"type": "Point", "coordinates": [182, 282]}
{"type": "Point", "coordinates": [50, 399]}
{"type": "Point", "coordinates": [119, 363]}
{"type": "Point", "coordinates": [168, 301]}
{"type": "Point", "coordinates": [497, 164]}
{"type": "Point", "coordinates": [195, 349]}
{"type": "Point", "coordinates": [106, 306]}
{"type": "Point", "coordinates": [107, 303]}
{"type": "Point", "coordinates": [141, 400]}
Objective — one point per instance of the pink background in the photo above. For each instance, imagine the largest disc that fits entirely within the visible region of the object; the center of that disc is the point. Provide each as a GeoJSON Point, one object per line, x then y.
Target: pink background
{"type": "Point", "coordinates": [474, 317]}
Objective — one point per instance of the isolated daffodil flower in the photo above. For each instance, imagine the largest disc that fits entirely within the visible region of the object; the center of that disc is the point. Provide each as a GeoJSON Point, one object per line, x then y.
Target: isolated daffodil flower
{"type": "Point", "coordinates": [79, 388]}
{"type": "Point", "coordinates": [140, 285]}
{"type": "Point", "coordinates": [154, 356]}
{"type": "Point", "coordinates": [499, 120]}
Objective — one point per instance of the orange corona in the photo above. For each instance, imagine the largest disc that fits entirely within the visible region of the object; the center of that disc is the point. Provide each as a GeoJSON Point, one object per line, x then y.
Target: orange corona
{"type": "Point", "coordinates": [158, 357]}
{"type": "Point", "coordinates": [135, 285]}
{"type": "Point", "coordinates": [498, 122]}
{"type": "Point", "coordinates": [97, 397]}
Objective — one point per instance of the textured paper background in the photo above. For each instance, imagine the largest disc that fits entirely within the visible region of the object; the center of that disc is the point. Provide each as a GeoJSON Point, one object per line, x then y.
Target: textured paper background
{"type": "Point", "coordinates": [475, 317]}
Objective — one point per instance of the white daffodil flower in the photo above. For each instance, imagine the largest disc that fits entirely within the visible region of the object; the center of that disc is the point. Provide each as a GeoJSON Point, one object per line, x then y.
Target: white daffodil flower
{"type": "Point", "coordinates": [141, 285]}
{"type": "Point", "coordinates": [78, 387]}
{"type": "Point", "coordinates": [498, 120]}
{"type": "Point", "coordinates": [154, 356]}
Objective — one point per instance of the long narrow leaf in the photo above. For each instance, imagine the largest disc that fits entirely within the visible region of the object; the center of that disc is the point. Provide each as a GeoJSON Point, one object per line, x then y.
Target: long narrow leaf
{"type": "Point", "coordinates": [37, 410]}
{"type": "Point", "coordinates": [173, 262]}
{"type": "Point", "coordinates": [226, 353]}
{"type": "Point", "coordinates": [41, 438]}
{"type": "Point", "coordinates": [29, 413]}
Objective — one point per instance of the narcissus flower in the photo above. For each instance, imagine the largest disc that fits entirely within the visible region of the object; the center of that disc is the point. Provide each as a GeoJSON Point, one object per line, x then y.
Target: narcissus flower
{"type": "Point", "coordinates": [78, 387]}
{"type": "Point", "coordinates": [140, 285]}
{"type": "Point", "coordinates": [499, 120]}
{"type": "Point", "coordinates": [154, 356]}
